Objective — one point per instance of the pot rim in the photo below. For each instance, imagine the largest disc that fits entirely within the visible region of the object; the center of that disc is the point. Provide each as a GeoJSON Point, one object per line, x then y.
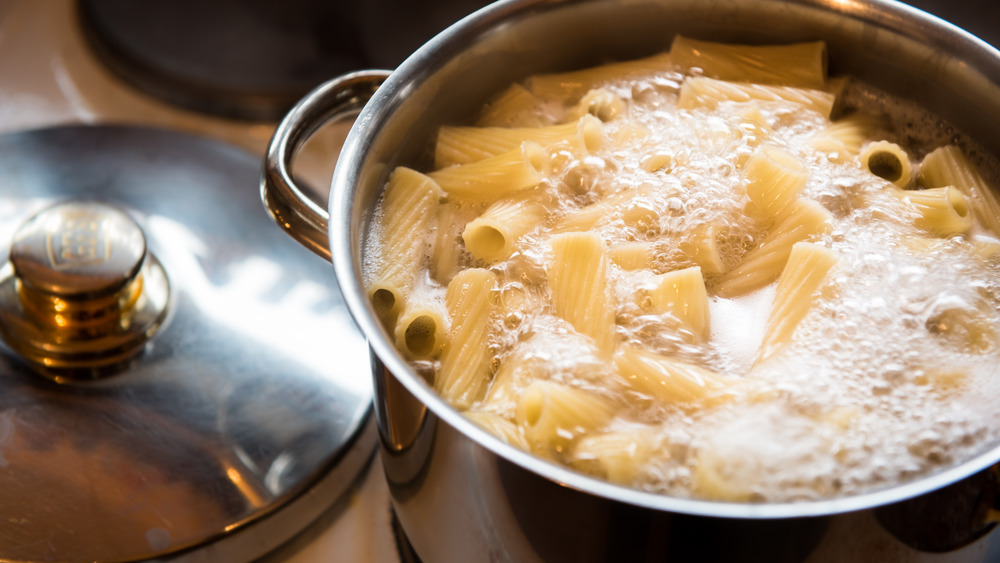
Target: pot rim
{"type": "Point", "coordinates": [344, 238]}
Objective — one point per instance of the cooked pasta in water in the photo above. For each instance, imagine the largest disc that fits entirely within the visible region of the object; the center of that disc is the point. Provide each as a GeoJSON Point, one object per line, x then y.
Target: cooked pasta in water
{"type": "Point", "coordinates": [714, 273]}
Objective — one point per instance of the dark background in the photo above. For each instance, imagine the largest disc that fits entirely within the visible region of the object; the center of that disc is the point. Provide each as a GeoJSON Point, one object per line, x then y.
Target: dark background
{"type": "Point", "coordinates": [979, 17]}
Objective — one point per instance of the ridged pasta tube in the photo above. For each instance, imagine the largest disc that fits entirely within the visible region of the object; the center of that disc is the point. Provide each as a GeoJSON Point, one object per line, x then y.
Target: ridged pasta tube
{"type": "Point", "coordinates": [775, 178]}
{"type": "Point", "coordinates": [570, 86]}
{"type": "Point", "coordinates": [806, 269]}
{"type": "Point", "coordinates": [700, 92]}
{"type": "Point", "coordinates": [797, 64]}
{"type": "Point", "coordinates": [554, 415]}
{"type": "Point", "coordinates": [842, 140]}
{"type": "Point", "coordinates": [600, 103]}
{"type": "Point", "coordinates": [514, 107]}
{"type": "Point", "coordinates": [948, 166]}
{"type": "Point", "coordinates": [942, 211]}
{"type": "Point", "coordinates": [500, 427]}
{"type": "Point", "coordinates": [636, 255]}
{"type": "Point", "coordinates": [704, 248]}
{"type": "Point", "coordinates": [421, 329]}
{"type": "Point", "coordinates": [578, 280]}
{"type": "Point", "coordinates": [465, 363]}
{"type": "Point", "coordinates": [491, 236]}
{"type": "Point", "coordinates": [762, 265]}
{"type": "Point", "coordinates": [493, 178]}
{"type": "Point", "coordinates": [669, 380]}
{"type": "Point", "coordinates": [462, 145]}
{"type": "Point", "coordinates": [887, 161]}
{"type": "Point", "coordinates": [682, 294]}
{"type": "Point", "coordinates": [407, 212]}
{"type": "Point", "coordinates": [616, 456]}
{"type": "Point", "coordinates": [447, 253]}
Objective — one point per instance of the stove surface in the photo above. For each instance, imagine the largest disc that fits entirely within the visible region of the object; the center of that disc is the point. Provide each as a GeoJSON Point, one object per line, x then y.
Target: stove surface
{"type": "Point", "coordinates": [50, 77]}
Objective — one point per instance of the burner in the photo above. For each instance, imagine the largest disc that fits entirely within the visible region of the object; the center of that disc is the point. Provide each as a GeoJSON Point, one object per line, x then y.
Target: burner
{"type": "Point", "coordinates": [253, 59]}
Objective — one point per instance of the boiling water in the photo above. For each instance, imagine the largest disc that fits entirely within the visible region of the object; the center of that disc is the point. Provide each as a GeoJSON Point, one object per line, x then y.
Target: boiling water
{"type": "Point", "coordinates": [891, 375]}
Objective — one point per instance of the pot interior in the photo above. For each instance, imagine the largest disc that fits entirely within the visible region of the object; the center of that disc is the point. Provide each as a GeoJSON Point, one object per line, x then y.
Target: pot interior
{"type": "Point", "coordinates": [891, 46]}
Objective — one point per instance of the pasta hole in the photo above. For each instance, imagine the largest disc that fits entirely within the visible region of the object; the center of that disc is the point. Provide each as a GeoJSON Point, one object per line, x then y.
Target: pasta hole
{"type": "Point", "coordinates": [384, 301]}
{"type": "Point", "coordinates": [489, 240]}
{"type": "Point", "coordinates": [419, 336]}
{"type": "Point", "coordinates": [885, 165]}
{"type": "Point", "coordinates": [958, 202]}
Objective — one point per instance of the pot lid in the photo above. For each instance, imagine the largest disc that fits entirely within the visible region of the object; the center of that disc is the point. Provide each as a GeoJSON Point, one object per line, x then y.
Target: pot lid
{"type": "Point", "coordinates": [177, 378]}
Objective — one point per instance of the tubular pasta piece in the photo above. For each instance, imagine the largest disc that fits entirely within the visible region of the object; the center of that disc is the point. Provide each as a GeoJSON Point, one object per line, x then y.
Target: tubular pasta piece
{"type": "Point", "coordinates": [887, 161]}
{"type": "Point", "coordinates": [463, 145]}
{"type": "Point", "coordinates": [806, 269]}
{"type": "Point", "coordinates": [421, 329]}
{"type": "Point", "coordinates": [465, 363]}
{"type": "Point", "coordinates": [762, 265]}
{"type": "Point", "coordinates": [491, 236]}
{"type": "Point", "coordinates": [669, 380]}
{"type": "Point", "coordinates": [775, 178]}
{"type": "Point", "coordinates": [632, 255]}
{"type": "Point", "coordinates": [616, 456]}
{"type": "Point", "coordinates": [682, 294]}
{"type": "Point", "coordinates": [942, 211]}
{"type": "Point", "coordinates": [600, 103]}
{"type": "Point", "coordinates": [842, 140]}
{"type": "Point", "coordinates": [578, 280]}
{"type": "Point", "coordinates": [708, 93]}
{"type": "Point", "coordinates": [554, 416]}
{"type": "Point", "coordinates": [798, 64]}
{"type": "Point", "coordinates": [514, 107]}
{"type": "Point", "coordinates": [447, 254]}
{"type": "Point", "coordinates": [948, 166]}
{"type": "Point", "coordinates": [407, 208]}
{"type": "Point", "coordinates": [495, 177]}
{"type": "Point", "coordinates": [570, 86]}
{"type": "Point", "coordinates": [500, 427]}
{"type": "Point", "coordinates": [705, 249]}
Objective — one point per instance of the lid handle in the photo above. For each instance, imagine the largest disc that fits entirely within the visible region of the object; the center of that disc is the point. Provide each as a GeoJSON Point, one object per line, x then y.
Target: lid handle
{"type": "Point", "coordinates": [80, 294]}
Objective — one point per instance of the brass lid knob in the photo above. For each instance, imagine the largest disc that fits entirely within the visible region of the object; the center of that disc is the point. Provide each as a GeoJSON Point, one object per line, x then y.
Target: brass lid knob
{"type": "Point", "coordinates": [80, 294]}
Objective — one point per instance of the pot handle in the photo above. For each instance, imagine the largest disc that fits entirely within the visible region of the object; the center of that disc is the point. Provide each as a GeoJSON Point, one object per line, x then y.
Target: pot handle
{"type": "Point", "coordinates": [295, 212]}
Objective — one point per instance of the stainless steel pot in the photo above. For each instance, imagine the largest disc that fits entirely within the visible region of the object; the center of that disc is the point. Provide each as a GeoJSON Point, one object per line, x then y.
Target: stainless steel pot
{"type": "Point", "coordinates": [462, 495]}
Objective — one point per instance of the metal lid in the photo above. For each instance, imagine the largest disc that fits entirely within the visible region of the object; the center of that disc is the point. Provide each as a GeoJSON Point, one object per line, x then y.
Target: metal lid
{"type": "Point", "coordinates": [178, 380]}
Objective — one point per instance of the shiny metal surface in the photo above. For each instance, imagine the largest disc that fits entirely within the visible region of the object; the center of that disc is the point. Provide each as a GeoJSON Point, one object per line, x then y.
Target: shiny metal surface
{"type": "Point", "coordinates": [500, 504]}
{"type": "Point", "coordinates": [80, 296]}
{"type": "Point", "coordinates": [248, 412]}
{"type": "Point", "coordinates": [286, 202]}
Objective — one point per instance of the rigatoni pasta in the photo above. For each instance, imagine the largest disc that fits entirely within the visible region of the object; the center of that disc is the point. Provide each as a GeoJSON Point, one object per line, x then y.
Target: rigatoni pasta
{"type": "Point", "coordinates": [709, 273]}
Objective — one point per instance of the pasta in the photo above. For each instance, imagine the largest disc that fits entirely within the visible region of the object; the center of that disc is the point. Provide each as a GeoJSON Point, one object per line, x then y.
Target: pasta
{"type": "Point", "coordinates": [578, 278]}
{"type": "Point", "coordinates": [407, 208]}
{"type": "Point", "coordinates": [887, 160]}
{"type": "Point", "coordinates": [762, 265]}
{"type": "Point", "coordinates": [807, 267]}
{"type": "Point", "coordinates": [420, 330]}
{"type": "Point", "coordinates": [669, 380]}
{"type": "Point", "coordinates": [491, 236]}
{"type": "Point", "coordinates": [941, 211]}
{"type": "Point", "coordinates": [465, 362]}
{"type": "Point", "coordinates": [708, 93]}
{"type": "Point", "coordinates": [775, 178]}
{"type": "Point", "coordinates": [710, 273]}
{"type": "Point", "coordinates": [801, 64]}
{"type": "Point", "coordinates": [682, 294]}
{"type": "Point", "coordinates": [491, 178]}
{"type": "Point", "coordinates": [553, 415]}
{"type": "Point", "coordinates": [948, 166]}
{"type": "Point", "coordinates": [574, 84]}
{"type": "Point", "coordinates": [463, 145]}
